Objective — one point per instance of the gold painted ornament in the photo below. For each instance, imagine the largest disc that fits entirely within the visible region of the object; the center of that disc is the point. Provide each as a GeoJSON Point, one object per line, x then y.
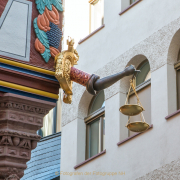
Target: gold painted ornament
{"type": "Point", "coordinates": [133, 110]}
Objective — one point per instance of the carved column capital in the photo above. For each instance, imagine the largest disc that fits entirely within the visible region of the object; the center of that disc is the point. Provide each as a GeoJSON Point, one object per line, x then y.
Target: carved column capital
{"type": "Point", "coordinates": [20, 118]}
{"type": "Point", "coordinates": [13, 177]}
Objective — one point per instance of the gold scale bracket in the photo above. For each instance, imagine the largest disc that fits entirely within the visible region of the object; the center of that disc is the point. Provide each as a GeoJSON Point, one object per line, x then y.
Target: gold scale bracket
{"type": "Point", "coordinates": [63, 63]}
{"type": "Point", "coordinates": [133, 110]}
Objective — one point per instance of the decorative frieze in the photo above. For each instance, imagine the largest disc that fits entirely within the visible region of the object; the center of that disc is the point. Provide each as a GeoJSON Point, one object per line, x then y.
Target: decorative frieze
{"type": "Point", "coordinates": [23, 107]}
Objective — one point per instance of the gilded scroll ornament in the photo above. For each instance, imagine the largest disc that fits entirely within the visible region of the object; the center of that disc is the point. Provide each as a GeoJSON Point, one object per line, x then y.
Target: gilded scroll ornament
{"type": "Point", "coordinates": [63, 63]}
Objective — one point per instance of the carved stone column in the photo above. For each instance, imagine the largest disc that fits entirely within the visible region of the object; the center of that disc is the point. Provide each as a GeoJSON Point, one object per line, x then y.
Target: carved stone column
{"type": "Point", "coordinates": [20, 118]}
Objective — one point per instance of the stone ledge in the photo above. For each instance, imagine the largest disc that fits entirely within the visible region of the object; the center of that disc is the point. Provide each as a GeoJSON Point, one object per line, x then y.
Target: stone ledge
{"type": "Point", "coordinates": [129, 7]}
{"type": "Point", "coordinates": [173, 114]}
{"type": "Point", "coordinates": [88, 160]}
{"type": "Point", "coordinates": [131, 137]}
{"type": "Point", "coordinates": [91, 34]}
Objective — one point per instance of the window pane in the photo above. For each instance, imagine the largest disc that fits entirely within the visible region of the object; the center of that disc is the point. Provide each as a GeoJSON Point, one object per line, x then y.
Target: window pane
{"type": "Point", "coordinates": [94, 137]}
{"type": "Point", "coordinates": [97, 15]}
{"type": "Point", "coordinates": [97, 103]}
{"type": "Point", "coordinates": [144, 75]}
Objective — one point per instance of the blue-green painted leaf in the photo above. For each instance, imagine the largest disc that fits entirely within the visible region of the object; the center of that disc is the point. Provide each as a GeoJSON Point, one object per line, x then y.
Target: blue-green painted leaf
{"type": "Point", "coordinates": [41, 4]}
{"type": "Point", "coordinates": [46, 55]}
{"type": "Point", "coordinates": [57, 4]}
{"type": "Point", "coordinates": [48, 4]}
{"type": "Point", "coordinates": [41, 35]}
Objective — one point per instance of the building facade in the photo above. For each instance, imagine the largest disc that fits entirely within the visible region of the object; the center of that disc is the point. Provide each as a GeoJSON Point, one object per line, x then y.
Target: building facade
{"type": "Point", "coordinates": [30, 38]}
{"type": "Point", "coordinates": [95, 142]}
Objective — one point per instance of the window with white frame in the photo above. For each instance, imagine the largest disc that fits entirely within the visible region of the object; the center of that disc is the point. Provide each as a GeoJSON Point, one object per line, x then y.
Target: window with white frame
{"type": "Point", "coordinates": [96, 14]}
{"type": "Point", "coordinates": [143, 88]}
{"type": "Point", "coordinates": [52, 121]}
{"type": "Point", "coordinates": [95, 126]}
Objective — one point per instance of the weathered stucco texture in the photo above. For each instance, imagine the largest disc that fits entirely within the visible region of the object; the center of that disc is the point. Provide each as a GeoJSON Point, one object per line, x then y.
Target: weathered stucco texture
{"type": "Point", "coordinates": [166, 172]}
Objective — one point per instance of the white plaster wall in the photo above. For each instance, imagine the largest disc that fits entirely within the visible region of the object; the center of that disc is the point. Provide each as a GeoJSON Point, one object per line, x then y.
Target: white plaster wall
{"type": "Point", "coordinates": [141, 155]}
{"type": "Point", "coordinates": [76, 15]}
{"type": "Point", "coordinates": [123, 32]}
{"type": "Point", "coordinates": [124, 41]}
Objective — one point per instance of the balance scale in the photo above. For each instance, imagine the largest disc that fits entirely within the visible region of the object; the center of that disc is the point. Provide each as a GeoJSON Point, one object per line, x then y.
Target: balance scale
{"type": "Point", "coordinates": [134, 110]}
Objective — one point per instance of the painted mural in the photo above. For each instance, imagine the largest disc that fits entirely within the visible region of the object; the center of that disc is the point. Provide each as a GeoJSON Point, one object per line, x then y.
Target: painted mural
{"type": "Point", "coordinates": [46, 28]}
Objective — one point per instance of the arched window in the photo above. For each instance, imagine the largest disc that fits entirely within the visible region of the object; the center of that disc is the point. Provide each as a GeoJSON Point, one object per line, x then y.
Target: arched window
{"type": "Point", "coordinates": [143, 88]}
{"type": "Point", "coordinates": [95, 126]}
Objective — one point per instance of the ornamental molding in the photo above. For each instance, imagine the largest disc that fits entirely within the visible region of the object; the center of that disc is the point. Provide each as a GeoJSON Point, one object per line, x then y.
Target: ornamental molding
{"type": "Point", "coordinates": [14, 176]}
{"type": "Point", "coordinates": [46, 28]}
{"type": "Point", "coordinates": [7, 140]}
{"type": "Point", "coordinates": [64, 61]}
{"type": "Point", "coordinates": [20, 134]}
{"type": "Point", "coordinates": [93, 2]}
{"type": "Point", "coordinates": [23, 107]}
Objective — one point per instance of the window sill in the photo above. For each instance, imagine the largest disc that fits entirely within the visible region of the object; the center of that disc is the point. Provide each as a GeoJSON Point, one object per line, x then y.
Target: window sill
{"type": "Point", "coordinates": [88, 160]}
{"type": "Point", "coordinates": [129, 138]}
{"type": "Point", "coordinates": [173, 114]}
{"type": "Point", "coordinates": [94, 32]}
{"type": "Point", "coordinates": [129, 7]}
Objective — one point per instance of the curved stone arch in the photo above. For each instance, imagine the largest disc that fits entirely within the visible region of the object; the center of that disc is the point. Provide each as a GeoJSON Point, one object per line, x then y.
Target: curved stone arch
{"type": "Point", "coordinates": [124, 85]}
{"type": "Point", "coordinates": [83, 105]}
{"type": "Point", "coordinates": [174, 48]}
{"type": "Point", "coordinates": [172, 58]}
{"type": "Point", "coordinates": [135, 58]}
{"type": "Point", "coordinates": [136, 61]}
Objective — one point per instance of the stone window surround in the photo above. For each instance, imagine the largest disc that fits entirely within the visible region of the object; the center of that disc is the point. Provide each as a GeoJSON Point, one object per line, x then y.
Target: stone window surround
{"type": "Point", "coordinates": [129, 7]}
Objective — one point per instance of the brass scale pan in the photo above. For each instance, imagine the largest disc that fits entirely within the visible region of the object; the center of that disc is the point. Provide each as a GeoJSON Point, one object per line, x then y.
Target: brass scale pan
{"type": "Point", "coordinates": [133, 110]}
